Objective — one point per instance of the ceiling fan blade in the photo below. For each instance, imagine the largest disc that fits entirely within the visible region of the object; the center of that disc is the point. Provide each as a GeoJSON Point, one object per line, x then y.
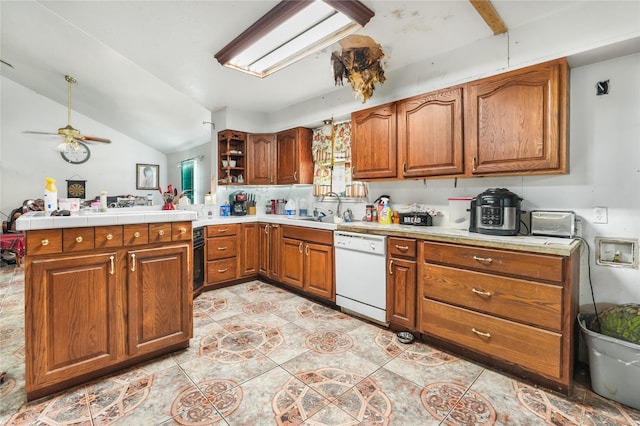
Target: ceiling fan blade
{"type": "Point", "coordinates": [39, 133]}
{"type": "Point", "coordinates": [95, 139]}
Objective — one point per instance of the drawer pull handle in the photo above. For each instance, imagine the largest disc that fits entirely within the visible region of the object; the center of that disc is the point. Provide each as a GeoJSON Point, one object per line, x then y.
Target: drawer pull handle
{"type": "Point", "coordinates": [391, 267]}
{"type": "Point", "coordinates": [481, 293]}
{"type": "Point", "coordinates": [483, 259]}
{"type": "Point", "coordinates": [136, 234]}
{"type": "Point", "coordinates": [183, 230]}
{"type": "Point", "coordinates": [112, 266]}
{"type": "Point", "coordinates": [78, 239]}
{"type": "Point", "coordinates": [109, 237]}
{"type": "Point", "coordinates": [161, 232]}
{"type": "Point", "coordinates": [44, 242]}
{"type": "Point", "coordinates": [222, 248]}
{"type": "Point", "coordinates": [480, 333]}
{"type": "Point", "coordinates": [402, 248]}
{"type": "Point", "coordinates": [222, 230]}
{"type": "Point", "coordinates": [133, 262]}
{"type": "Point", "coordinates": [223, 270]}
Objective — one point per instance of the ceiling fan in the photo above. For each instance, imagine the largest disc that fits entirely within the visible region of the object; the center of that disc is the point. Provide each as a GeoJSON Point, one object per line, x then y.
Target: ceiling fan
{"type": "Point", "coordinates": [72, 148]}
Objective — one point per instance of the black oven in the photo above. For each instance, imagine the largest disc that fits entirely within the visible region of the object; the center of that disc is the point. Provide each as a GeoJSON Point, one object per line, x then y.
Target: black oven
{"type": "Point", "coordinates": [198, 258]}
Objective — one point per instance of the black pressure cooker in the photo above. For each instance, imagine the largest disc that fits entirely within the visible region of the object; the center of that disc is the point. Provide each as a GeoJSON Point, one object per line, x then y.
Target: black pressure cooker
{"type": "Point", "coordinates": [496, 212]}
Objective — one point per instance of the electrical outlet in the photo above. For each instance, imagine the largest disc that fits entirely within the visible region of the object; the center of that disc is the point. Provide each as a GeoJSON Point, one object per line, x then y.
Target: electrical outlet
{"type": "Point", "coordinates": [600, 215]}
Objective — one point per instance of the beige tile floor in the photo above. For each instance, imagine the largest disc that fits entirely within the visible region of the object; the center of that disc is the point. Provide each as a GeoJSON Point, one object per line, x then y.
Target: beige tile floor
{"type": "Point", "coordinates": [263, 356]}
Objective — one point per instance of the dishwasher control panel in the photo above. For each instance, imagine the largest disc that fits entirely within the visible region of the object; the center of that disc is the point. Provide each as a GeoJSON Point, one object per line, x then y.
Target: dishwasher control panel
{"type": "Point", "coordinates": [373, 244]}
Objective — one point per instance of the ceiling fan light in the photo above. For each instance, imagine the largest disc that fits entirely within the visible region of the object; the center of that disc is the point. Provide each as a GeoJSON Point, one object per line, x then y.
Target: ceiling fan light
{"type": "Point", "coordinates": [62, 147]}
{"type": "Point", "coordinates": [327, 127]}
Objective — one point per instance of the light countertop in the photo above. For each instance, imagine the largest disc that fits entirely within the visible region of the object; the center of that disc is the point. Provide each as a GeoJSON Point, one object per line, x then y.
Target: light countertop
{"type": "Point", "coordinates": [123, 216]}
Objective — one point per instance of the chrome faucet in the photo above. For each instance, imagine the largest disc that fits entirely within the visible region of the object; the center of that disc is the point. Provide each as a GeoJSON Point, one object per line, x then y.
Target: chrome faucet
{"type": "Point", "coordinates": [339, 201]}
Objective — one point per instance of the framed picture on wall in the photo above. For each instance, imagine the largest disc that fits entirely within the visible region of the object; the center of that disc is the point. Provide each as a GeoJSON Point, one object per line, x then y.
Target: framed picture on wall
{"type": "Point", "coordinates": [147, 176]}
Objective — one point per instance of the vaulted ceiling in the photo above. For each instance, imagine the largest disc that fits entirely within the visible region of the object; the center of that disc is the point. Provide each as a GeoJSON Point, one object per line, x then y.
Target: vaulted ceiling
{"type": "Point", "coordinates": [146, 68]}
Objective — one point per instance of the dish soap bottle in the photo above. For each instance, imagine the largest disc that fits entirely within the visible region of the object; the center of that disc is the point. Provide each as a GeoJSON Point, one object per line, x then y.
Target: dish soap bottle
{"type": "Point", "coordinates": [50, 195]}
{"type": "Point", "coordinates": [385, 214]}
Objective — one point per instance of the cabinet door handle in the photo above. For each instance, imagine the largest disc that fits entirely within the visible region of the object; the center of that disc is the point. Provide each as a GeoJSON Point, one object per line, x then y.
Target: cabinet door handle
{"type": "Point", "coordinates": [404, 168]}
{"type": "Point", "coordinates": [402, 248]}
{"type": "Point", "coordinates": [481, 293]}
{"type": "Point", "coordinates": [266, 229]}
{"type": "Point", "coordinates": [222, 270]}
{"type": "Point", "coordinates": [474, 164]}
{"type": "Point", "coordinates": [300, 247]}
{"type": "Point", "coordinates": [78, 239]}
{"type": "Point", "coordinates": [109, 237]}
{"type": "Point", "coordinates": [112, 265]}
{"type": "Point", "coordinates": [222, 248]}
{"type": "Point", "coordinates": [183, 230]}
{"type": "Point", "coordinates": [222, 230]}
{"type": "Point", "coordinates": [136, 234]}
{"type": "Point", "coordinates": [480, 333]}
{"type": "Point", "coordinates": [483, 259]}
{"type": "Point", "coordinates": [295, 175]}
{"type": "Point", "coordinates": [161, 232]}
{"type": "Point", "coordinates": [44, 242]}
{"type": "Point", "coordinates": [306, 250]}
{"type": "Point", "coordinates": [391, 267]}
{"type": "Point", "coordinates": [133, 262]}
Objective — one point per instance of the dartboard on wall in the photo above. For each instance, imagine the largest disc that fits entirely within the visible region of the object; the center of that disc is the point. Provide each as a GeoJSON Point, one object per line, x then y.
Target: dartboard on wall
{"type": "Point", "coordinates": [76, 188]}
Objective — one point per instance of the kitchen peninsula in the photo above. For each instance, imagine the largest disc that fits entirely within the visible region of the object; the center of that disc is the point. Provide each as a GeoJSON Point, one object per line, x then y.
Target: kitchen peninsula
{"type": "Point", "coordinates": [102, 292]}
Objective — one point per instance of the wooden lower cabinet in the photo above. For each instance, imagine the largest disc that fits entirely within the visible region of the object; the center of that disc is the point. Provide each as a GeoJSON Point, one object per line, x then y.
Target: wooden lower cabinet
{"type": "Point", "coordinates": [269, 250]}
{"type": "Point", "coordinates": [222, 250]}
{"type": "Point", "coordinates": [249, 236]}
{"type": "Point", "coordinates": [92, 312]}
{"type": "Point", "coordinates": [401, 282]}
{"type": "Point", "coordinates": [307, 261]}
{"type": "Point", "coordinates": [513, 309]}
{"type": "Point", "coordinates": [159, 314]}
{"type": "Point", "coordinates": [64, 340]}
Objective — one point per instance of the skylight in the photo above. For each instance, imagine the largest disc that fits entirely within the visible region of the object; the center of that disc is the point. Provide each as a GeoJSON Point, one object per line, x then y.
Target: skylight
{"type": "Point", "coordinates": [290, 31]}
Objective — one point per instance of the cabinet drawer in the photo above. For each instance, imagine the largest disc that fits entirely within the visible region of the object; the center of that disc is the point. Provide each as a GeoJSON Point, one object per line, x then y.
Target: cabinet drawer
{"type": "Point", "coordinates": [525, 301]}
{"type": "Point", "coordinates": [222, 230]}
{"type": "Point", "coordinates": [108, 236]}
{"type": "Point", "coordinates": [520, 264]}
{"type": "Point", "coordinates": [135, 234]}
{"type": "Point", "coordinates": [159, 232]}
{"type": "Point", "coordinates": [181, 231]}
{"type": "Point", "coordinates": [222, 247]}
{"type": "Point", "coordinates": [47, 241]}
{"type": "Point", "coordinates": [77, 239]}
{"type": "Point", "coordinates": [222, 270]}
{"type": "Point", "coordinates": [403, 247]}
{"type": "Point", "coordinates": [531, 348]}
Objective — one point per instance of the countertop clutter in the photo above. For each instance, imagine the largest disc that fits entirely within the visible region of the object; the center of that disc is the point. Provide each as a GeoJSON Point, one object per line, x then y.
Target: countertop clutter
{"type": "Point", "coordinates": [537, 244]}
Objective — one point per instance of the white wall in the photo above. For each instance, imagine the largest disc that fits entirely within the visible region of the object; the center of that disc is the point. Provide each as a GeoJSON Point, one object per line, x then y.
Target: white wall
{"type": "Point", "coordinates": [26, 159]}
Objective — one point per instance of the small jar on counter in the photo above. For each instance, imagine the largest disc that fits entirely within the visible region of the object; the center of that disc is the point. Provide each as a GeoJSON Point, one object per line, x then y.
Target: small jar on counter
{"type": "Point", "coordinates": [369, 213]}
{"type": "Point", "coordinates": [395, 219]}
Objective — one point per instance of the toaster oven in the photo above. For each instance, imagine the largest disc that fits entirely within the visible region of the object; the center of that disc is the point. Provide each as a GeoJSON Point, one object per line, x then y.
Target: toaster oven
{"type": "Point", "coordinates": [553, 223]}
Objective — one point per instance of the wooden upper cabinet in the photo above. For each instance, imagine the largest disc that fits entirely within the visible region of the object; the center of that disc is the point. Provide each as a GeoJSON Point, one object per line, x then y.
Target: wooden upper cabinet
{"type": "Point", "coordinates": [373, 144]}
{"type": "Point", "coordinates": [516, 123]}
{"type": "Point", "coordinates": [294, 158]}
{"type": "Point", "coordinates": [430, 140]}
{"type": "Point", "coordinates": [261, 159]}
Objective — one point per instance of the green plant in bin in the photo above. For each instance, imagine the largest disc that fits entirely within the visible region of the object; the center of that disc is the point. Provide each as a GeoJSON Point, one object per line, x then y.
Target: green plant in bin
{"type": "Point", "coordinates": [619, 321]}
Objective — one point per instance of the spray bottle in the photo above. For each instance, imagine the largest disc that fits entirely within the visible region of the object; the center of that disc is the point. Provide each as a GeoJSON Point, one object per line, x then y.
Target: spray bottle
{"type": "Point", "coordinates": [385, 214]}
{"type": "Point", "coordinates": [50, 195]}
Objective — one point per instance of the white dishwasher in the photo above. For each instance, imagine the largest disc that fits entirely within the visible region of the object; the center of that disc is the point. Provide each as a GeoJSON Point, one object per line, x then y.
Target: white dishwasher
{"type": "Point", "coordinates": [361, 276]}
